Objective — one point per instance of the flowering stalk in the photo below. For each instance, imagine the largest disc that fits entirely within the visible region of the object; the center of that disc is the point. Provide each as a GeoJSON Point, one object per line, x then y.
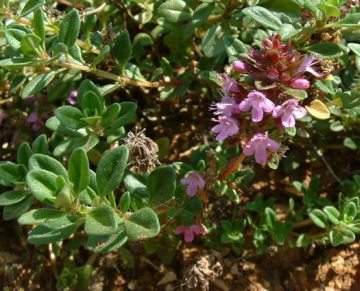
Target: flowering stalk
{"type": "Point", "coordinates": [255, 113]}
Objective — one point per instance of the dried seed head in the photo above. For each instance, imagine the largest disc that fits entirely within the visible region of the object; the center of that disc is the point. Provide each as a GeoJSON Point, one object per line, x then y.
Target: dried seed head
{"type": "Point", "coordinates": [202, 272]}
{"type": "Point", "coordinates": [143, 152]}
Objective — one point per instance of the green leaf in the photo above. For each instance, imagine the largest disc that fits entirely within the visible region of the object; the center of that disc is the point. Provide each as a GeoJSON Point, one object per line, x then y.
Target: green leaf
{"type": "Point", "coordinates": [125, 201]}
{"type": "Point", "coordinates": [296, 93]}
{"type": "Point", "coordinates": [13, 37]}
{"type": "Point", "coordinates": [92, 104]}
{"type": "Point", "coordinates": [37, 84]}
{"type": "Point", "coordinates": [30, 45]}
{"type": "Point", "coordinates": [164, 145]}
{"type": "Point", "coordinates": [70, 28]}
{"type": "Point", "coordinates": [24, 153]}
{"type": "Point", "coordinates": [9, 175]}
{"type": "Point", "coordinates": [43, 162]}
{"type": "Point", "coordinates": [127, 258]}
{"type": "Point", "coordinates": [349, 212]}
{"type": "Point", "coordinates": [126, 114]}
{"type": "Point", "coordinates": [101, 56]}
{"type": "Point", "coordinates": [348, 236]}
{"type": "Point", "coordinates": [68, 146]}
{"type": "Point", "coordinates": [333, 214]}
{"type": "Point", "coordinates": [87, 86]}
{"type": "Point", "coordinates": [355, 47]}
{"type": "Point", "coordinates": [329, 10]}
{"type": "Point", "coordinates": [40, 145]}
{"type": "Point", "coordinates": [39, 25]}
{"type": "Point", "coordinates": [212, 42]}
{"type": "Point", "coordinates": [202, 13]}
{"type": "Point", "coordinates": [350, 99]}
{"type": "Point", "coordinates": [31, 6]}
{"type": "Point", "coordinates": [107, 244]}
{"type": "Point", "coordinates": [70, 116]}
{"type": "Point", "coordinates": [161, 185]}
{"type": "Point", "coordinates": [79, 171]}
{"type": "Point", "coordinates": [133, 72]}
{"type": "Point", "coordinates": [42, 185]}
{"type": "Point", "coordinates": [54, 230]}
{"type": "Point", "coordinates": [16, 63]}
{"type": "Point", "coordinates": [175, 11]}
{"type": "Point", "coordinates": [336, 237]}
{"type": "Point", "coordinates": [270, 217]}
{"type": "Point", "coordinates": [234, 47]}
{"type": "Point", "coordinates": [38, 216]}
{"type": "Point", "coordinates": [166, 67]}
{"type": "Point", "coordinates": [326, 50]}
{"type": "Point", "coordinates": [319, 218]}
{"type": "Point", "coordinates": [142, 225]}
{"type": "Point", "coordinates": [350, 20]}
{"type": "Point", "coordinates": [122, 49]}
{"type": "Point", "coordinates": [12, 197]}
{"type": "Point", "coordinates": [350, 143]}
{"type": "Point", "coordinates": [136, 184]}
{"type": "Point", "coordinates": [111, 169]}
{"type": "Point", "coordinates": [110, 114]}
{"type": "Point", "coordinates": [101, 220]}
{"type": "Point", "coordinates": [263, 16]}
{"type": "Point", "coordinates": [336, 126]}
{"type": "Point", "coordinates": [15, 210]}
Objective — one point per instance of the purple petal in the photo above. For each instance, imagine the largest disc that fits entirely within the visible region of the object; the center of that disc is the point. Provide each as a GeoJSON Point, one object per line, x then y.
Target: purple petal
{"type": "Point", "coordinates": [217, 128]}
{"type": "Point", "coordinates": [188, 236]}
{"type": "Point", "coordinates": [195, 229]}
{"type": "Point", "coordinates": [191, 190]}
{"type": "Point", "coordinates": [234, 129]}
{"type": "Point", "coordinates": [185, 181]}
{"type": "Point", "coordinates": [249, 149]}
{"type": "Point", "coordinates": [245, 105]}
{"type": "Point", "coordinates": [313, 72]}
{"type": "Point", "coordinates": [201, 184]}
{"type": "Point", "coordinates": [299, 112]}
{"type": "Point", "coordinates": [278, 110]}
{"type": "Point", "coordinates": [180, 229]}
{"type": "Point", "coordinates": [267, 105]}
{"type": "Point", "coordinates": [288, 119]}
{"type": "Point", "coordinates": [257, 114]}
{"type": "Point", "coordinates": [273, 145]}
{"type": "Point", "coordinates": [223, 134]}
{"type": "Point", "coordinates": [261, 154]}
{"type": "Point", "coordinates": [256, 94]}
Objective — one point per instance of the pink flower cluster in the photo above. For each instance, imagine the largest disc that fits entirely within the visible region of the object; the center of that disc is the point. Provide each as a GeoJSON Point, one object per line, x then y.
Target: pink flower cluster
{"type": "Point", "coordinates": [274, 69]}
{"type": "Point", "coordinates": [191, 231]}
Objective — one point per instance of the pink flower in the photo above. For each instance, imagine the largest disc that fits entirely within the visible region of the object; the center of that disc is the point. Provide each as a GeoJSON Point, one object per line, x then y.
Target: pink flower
{"type": "Point", "coordinates": [34, 121]}
{"type": "Point", "coordinates": [225, 107]}
{"type": "Point", "coordinates": [289, 111]}
{"type": "Point", "coordinates": [259, 104]}
{"type": "Point", "coordinates": [190, 232]}
{"type": "Point", "coordinates": [227, 127]}
{"type": "Point", "coordinates": [300, 83]}
{"type": "Point", "coordinates": [194, 182]}
{"type": "Point", "coordinates": [240, 66]}
{"type": "Point", "coordinates": [306, 66]}
{"type": "Point", "coordinates": [72, 99]}
{"type": "Point", "coordinates": [258, 145]}
{"type": "Point", "coordinates": [230, 85]}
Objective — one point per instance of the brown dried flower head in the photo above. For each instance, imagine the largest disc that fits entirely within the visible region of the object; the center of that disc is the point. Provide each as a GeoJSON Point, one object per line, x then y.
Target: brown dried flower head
{"type": "Point", "coordinates": [143, 152]}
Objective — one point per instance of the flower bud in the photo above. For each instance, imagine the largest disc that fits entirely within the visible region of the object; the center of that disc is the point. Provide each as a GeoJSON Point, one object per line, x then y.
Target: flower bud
{"type": "Point", "coordinates": [240, 66]}
{"type": "Point", "coordinates": [300, 83]}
